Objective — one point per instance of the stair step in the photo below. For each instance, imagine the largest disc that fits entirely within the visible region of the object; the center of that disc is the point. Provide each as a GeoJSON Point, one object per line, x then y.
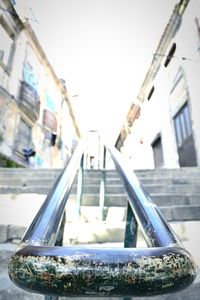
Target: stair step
{"type": "Point", "coordinates": [181, 212]}
{"type": "Point", "coordinates": [110, 190]}
{"type": "Point", "coordinates": [176, 199]}
{"type": "Point", "coordinates": [169, 181]}
{"type": "Point", "coordinates": [110, 200]}
{"type": "Point", "coordinates": [43, 190]}
{"type": "Point", "coordinates": [176, 188]}
{"type": "Point", "coordinates": [26, 180]}
{"type": "Point", "coordinates": [8, 291]}
{"type": "Point", "coordinates": [180, 188]}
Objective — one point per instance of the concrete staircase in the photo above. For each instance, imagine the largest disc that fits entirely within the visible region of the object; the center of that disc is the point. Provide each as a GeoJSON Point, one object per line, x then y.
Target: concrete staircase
{"type": "Point", "coordinates": [175, 191]}
{"type": "Point", "coordinates": [22, 191]}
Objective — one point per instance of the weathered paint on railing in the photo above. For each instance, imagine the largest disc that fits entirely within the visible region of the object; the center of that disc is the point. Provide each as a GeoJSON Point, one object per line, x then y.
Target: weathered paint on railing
{"type": "Point", "coordinates": [102, 272]}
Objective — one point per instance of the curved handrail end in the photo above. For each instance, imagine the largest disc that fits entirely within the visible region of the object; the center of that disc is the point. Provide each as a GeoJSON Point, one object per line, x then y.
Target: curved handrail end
{"type": "Point", "coordinates": [76, 271]}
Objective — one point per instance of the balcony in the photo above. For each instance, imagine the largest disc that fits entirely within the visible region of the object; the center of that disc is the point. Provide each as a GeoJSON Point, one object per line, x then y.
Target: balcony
{"type": "Point", "coordinates": [29, 101]}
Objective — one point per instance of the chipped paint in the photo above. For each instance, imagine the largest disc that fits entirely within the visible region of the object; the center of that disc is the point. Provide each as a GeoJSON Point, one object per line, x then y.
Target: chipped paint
{"type": "Point", "coordinates": [105, 272]}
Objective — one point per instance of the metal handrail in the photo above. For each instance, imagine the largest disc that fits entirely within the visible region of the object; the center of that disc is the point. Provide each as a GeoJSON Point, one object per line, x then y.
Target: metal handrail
{"type": "Point", "coordinates": [81, 271]}
{"type": "Point", "coordinates": [45, 226]}
{"type": "Point", "coordinates": [155, 229]}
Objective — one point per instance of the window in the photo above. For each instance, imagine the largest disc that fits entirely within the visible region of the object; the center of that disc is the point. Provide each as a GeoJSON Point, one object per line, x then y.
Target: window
{"type": "Point", "coordinates": [184, 136]}
{"type": "Point", "coordinates": [183, 126]}
{"type": "Point", "coordinates": [178, 131]}
{"type": "Point", "coordinates": [49, 120]}
{"type": "Point", "coordinates": [170, 55]}
{"type": "Point", "coordinates": [6, 46]}
{"type": "Point", "coordinates": [157, 152]}
{"type": "Point", "coordinates": [24, 137]}
{"type": "Point", "coordinates": [187, 120]}
{"type": "Point", "coordinates": [150, 93]}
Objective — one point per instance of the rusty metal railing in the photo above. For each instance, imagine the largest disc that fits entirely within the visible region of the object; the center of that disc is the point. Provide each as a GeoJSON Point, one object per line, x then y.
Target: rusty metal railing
{"type": "Point", "coordinates": [40, 266]}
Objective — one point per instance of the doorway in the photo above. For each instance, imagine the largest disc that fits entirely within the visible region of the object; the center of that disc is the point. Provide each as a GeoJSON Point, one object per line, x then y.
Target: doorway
{"type": "Point", "coordinates": [157, 152]}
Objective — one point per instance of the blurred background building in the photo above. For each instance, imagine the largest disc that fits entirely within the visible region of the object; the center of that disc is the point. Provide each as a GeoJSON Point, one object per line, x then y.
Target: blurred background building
{"type": "Point", "coordinates": [37, 124]}
{"type": "Point", "coordinates": [38, 127]}
{"type": "Point", "coordinates": [162, 127]}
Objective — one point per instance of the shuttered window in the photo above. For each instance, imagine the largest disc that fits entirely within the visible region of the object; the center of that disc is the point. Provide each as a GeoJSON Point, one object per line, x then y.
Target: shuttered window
{"type": "Point", "coordinates": [183, 126]}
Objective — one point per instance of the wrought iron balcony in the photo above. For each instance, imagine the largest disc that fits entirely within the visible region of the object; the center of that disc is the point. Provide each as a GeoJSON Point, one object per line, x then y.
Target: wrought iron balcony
{"type": "Point", "coordinates": [29, 101]}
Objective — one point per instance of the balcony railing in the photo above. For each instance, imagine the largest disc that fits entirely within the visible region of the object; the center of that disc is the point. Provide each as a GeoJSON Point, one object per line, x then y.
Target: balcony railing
{"type": "Point", "coordinates": [29, 101]}
{"type": "Point", "coordinates": [40, 266]}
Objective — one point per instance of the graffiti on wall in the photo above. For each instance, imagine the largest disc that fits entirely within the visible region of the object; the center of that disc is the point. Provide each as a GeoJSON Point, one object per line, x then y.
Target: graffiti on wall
{"type": "Point", "coordinates": [50, 103]}
{"type": "Point", "coordinates": [29, 76]}
{"type": "Point", "coordinates": [49, 120]}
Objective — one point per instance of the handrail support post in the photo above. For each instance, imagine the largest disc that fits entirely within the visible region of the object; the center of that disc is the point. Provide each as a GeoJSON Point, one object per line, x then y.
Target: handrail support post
{"type": "Point", "coordinates": [102, 188]}
{"type": "Point", "coordinates": [131, 229]}
{"type": "Point", "coordinates": [79, 188]}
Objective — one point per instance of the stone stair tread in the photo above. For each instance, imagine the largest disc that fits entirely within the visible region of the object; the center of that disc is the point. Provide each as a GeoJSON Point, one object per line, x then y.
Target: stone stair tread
{"type": "Point", "coordinates": [8, 291]}
{"type": "Point", "coordinates": [181, 212]}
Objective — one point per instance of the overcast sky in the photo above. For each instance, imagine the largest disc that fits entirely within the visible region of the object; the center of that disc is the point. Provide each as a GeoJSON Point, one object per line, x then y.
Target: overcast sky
{"type": "Point", "coordinates": [101, 48]}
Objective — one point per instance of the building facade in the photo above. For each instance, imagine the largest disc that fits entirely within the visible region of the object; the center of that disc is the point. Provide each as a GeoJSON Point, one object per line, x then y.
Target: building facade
{"type": "Point", "coordinates": [37, 124]}
{"type": "Point", "coordinates": [166, 134]}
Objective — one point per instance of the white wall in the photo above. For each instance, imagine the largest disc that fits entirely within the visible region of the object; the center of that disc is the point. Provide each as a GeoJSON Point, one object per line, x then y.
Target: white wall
{"type": "Point", "coordinates": [157, 114]}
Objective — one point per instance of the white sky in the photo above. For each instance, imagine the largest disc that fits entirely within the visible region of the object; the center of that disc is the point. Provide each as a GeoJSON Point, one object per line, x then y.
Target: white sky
{"type": "Point", "coordinates": [101, 48]}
